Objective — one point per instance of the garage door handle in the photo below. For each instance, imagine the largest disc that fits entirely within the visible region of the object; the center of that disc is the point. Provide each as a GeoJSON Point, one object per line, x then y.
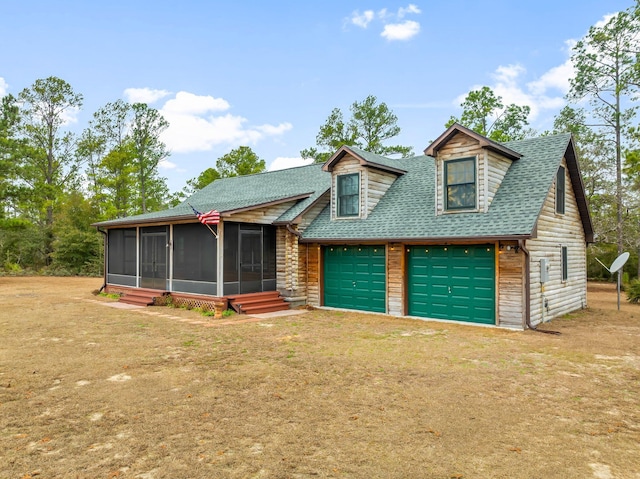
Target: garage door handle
{"type": "Point", "coordinates": [354, 284]}
{"type": "Point", "coordinates": [449, 289]}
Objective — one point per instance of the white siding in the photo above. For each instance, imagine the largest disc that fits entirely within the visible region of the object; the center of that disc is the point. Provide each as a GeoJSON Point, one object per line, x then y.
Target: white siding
{"type": "Point", "coordinates": [313, 212]}
{"type": "Point", "coordinates": [557, 297]}
{"type": "Point", "coordinates": [264, 216]}
{"type": "Point", "coordinates": [373, 184]}
{"type": "Point", "coordinates": [497, 168]}
{"type": "Point", "coordinates": [378, 182]}
{"type": "Point", "coordinates": [460, 146]}
{"type": "Point", "coordinates": [491, 168]}
{"type": "Point", "coordinates": [347, 166]}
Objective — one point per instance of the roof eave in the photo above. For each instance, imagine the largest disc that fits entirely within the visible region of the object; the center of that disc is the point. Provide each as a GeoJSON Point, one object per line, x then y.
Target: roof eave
{"type": "Point", "coordinates": [432, 149]}
{"type": "Point", "coordinates": [579, 191]}
{"type": "Point", "coordinates": [344, 149]}
{"type": "Point", "coordinates": [421, 240]}
{"type": "Point", "coordinates": [145, 221]}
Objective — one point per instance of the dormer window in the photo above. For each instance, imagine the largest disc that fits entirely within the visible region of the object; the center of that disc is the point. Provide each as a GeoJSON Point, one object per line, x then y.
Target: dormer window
{"type": "Point", "coordinates": [460, 184]}
{"type": "Point", "coordinates": [348, 196]}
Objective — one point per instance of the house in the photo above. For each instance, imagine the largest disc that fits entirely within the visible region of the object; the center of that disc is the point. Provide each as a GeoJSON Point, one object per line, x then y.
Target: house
{"type": "Point", "coordinates": [472, 231]}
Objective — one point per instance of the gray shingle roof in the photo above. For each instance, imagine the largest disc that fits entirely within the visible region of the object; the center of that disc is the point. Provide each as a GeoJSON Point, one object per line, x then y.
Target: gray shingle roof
{"type": "Point", "coordinates": [242, 192]}
{"type": "Point", "coordinates": [407, 211]}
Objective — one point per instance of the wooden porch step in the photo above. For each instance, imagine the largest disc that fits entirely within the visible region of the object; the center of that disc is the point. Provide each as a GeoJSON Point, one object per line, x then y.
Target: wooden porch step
{"type": "Point", "coordinates": [256, 303]}
{"type": "Point", "coordinates": [141, 296]}
{"type": "Point", "coordinates": [266, 308]}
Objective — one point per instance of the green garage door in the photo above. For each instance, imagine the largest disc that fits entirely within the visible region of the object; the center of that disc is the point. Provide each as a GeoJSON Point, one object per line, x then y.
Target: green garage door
{"type": "Point", "coordinates": [452, 282]}
{"type": "Point", "coordinates": [355, 277]}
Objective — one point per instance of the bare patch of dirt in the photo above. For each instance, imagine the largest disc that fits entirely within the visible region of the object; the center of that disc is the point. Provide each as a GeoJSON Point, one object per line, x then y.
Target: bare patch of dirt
{"type": "Point", "coordinates": [89, 391]}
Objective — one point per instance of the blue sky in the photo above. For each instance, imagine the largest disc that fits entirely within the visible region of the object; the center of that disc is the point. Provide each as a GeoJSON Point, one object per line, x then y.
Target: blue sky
{"type": "Point", "coordinates": [267, 74]}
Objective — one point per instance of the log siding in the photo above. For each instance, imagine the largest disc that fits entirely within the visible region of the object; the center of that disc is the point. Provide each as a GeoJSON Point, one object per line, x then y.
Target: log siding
{"type": "Point", "coordinates": [346, 166]}
{"type": "Point", "coordinates": [557, 297]}
{"type": "Point", "coordinates": [511, 286]}
{"type": "Point", "coordinates": [396, 281]}
{"type": "Point", "coordinates": [263, 216]}
{"type": "Point", "coordinates": [460, 146]}
{"type": "Point", "coordinates": [373, 185]}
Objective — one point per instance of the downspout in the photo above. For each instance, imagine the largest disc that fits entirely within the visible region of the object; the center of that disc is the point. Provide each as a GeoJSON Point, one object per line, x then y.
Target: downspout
{"type": "Point", "coordinates": [104, 267]}
{"type": "Point", "coordinates": [292, 231]}
{"type": "Point", "coordinates": [527, 291]}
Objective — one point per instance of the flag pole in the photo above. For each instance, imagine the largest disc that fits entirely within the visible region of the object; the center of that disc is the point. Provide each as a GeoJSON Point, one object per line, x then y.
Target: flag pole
{"type": "Point", "coordinates": [213, 232]}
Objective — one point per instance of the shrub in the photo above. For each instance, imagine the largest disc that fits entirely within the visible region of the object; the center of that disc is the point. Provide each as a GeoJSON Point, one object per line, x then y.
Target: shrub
{"type": "Point", "coordinates": [633, 291]}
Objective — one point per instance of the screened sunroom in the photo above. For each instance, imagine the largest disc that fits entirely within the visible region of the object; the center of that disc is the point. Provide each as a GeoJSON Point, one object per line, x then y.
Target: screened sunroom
{"type": "Point", "coordinates": [190, 258]}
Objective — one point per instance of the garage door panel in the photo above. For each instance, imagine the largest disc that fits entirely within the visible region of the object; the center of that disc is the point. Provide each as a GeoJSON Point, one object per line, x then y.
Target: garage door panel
{"type": "Point", "coordinates": [355, 277]}
{"type": "Point", "coordinates": [452, 282]}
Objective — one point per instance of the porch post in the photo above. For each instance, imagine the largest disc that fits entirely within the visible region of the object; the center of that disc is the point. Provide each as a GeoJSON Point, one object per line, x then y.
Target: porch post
{"type": "Point", "coordinates": [220, 260]}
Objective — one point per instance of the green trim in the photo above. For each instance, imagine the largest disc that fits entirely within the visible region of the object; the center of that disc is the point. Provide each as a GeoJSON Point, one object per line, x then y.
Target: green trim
{"type": "Point", "coordinates": [346, 200]}
{"type": "Point", "coordinates": [462, 185]}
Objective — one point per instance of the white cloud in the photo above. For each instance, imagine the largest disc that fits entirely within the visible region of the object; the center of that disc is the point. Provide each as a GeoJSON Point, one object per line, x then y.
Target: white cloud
{"type": "Point", "coordinates": [282, 163]}
{"type": "Point", "coordinates": [274, 130]}
{"type": "Point", "coordinates": [605, 20]}
{"type": "Point", "coordinates": [556, 78]}
{"type": "Point", "coordinates": [144, 95]}
{"type": "Point", "coordinates": [167, 165]}
{"type": "Point", "coordinates": [194, 125]}
{"type": "Point", "coordinates": [384, 15]}
{"type": "Point", "coordinates": [4, 86]}
{"type": "Point", "coordinates": [188, 103]}
{"type": "Point", "coordinates": [70, 115]}
{"type": "Point", "coordinates": [410, 9]}
{"type": "Point", "coordinates": [544, 94]}
{"type": "Point", "coordinates": [401, 31]}
{"type": "Point", "coordinates": [362, 20]}
{"type": "Point", "coordinates": [507, 85]}
{"type": "Point", "coordinates": [393, 26]}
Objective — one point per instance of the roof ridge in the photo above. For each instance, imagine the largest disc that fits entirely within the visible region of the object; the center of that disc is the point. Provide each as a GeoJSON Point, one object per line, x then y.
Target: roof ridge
{"type": "Point", "coordinates": [268, 171]}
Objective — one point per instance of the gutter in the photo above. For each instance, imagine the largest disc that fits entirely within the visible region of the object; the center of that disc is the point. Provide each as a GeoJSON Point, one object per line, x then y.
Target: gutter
{"type": "Point", "coordinates": [104, 260]}
{"type": "Point", "coordinates": [408, 241]}
{"type": "Point", "coordinates": [292, 231]}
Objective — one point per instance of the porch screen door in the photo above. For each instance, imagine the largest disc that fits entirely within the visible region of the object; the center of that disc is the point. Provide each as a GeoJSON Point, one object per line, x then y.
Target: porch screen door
{"type": "Point", "coordinates": [153, 254]}
{"type": "Point", "coordinates": [250, 260]}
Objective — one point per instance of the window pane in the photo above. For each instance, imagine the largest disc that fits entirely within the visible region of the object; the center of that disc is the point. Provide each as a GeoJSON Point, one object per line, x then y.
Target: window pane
{"type": "Point", "coordinates": [348, 206]}
{"type": "Point", "coordinates": [348, 184]}
{"type": "Point", "coordinates": [348, 194]}
{"type": "Point", "coordinates": [460, 176]}
{"type": "Point", "coordinates": [461, 196]}
{"type": "Point", "coordinates": [460, 172]}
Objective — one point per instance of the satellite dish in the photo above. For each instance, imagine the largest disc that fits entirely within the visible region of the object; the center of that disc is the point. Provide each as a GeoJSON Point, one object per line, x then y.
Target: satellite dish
{"type": "Point", "coordinates": [619, 263]}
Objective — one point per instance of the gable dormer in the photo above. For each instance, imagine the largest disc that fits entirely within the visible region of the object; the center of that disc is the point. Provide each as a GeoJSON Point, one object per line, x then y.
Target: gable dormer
{"type": "Point", "coordinates": [469, 170]}
{"type": "Point", "coordinates": [359, 180]}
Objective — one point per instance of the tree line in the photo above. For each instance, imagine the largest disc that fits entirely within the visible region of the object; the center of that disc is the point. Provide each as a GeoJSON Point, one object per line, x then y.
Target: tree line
{"type": "Point", "coordinates": [55, 184]}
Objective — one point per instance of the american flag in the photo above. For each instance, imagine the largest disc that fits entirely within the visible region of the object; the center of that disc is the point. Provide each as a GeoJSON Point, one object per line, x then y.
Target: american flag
{"type": "Point", "coordinates": [209, 218]}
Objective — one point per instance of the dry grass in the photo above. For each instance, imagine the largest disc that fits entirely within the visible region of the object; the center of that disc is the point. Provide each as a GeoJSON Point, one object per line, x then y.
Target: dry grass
{"type": "Point", "coordinates": [89, 391]}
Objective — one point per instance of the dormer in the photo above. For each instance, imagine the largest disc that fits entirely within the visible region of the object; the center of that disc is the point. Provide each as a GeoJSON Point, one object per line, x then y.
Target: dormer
{"type": "Point", "coordinates": [359, 180]}
{"type": "Point", "coordinates": [469, 170]}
